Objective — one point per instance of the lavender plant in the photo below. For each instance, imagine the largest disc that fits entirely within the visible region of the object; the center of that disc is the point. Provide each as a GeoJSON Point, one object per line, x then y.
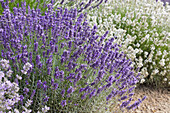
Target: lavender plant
{"type": "Point", "coordinates": [62, 63]}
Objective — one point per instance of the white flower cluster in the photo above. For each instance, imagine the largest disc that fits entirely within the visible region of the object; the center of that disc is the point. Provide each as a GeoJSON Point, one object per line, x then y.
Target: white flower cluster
{"type": "Point", "coordinates": [25, 108]}
{"type": "Point", "coordinates": [4, 64]}
{"type": "Point", "coordinates": [44, 110]}
{"type": "Point", "coordinates": [8, 90]}
{"type": "Point", "coordinates": [26, 67]}
{"type": "Point", "coordinates": [143, 29]}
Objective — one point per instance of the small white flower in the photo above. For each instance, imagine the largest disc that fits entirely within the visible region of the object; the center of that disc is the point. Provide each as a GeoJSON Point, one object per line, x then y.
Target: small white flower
{"type": "Point", "coordinates": [2, 74]}
{"type": "Point", "coordinates": [26, 110]}
{"type": "Point", "coordinates": [27, 66]}
{"type": "Point", "coordinates": [142, 80]}
{"type": "Point", "coordinates": [28, 103]}
{"type": "Point", "coordinates": [9, 73]}
{"type": "Point", "coordinates": [165, 79]}
{"type": "Point", "coordinates": [137, 45]}
{"type": "Point", "coordinates": [45, 109]}
{"type": "Point", "coordinates": [159, 53]}
{"type": "Point", "coordinates": [162, 62]}
{"type": "Point", "coordinates": [18, 77]}
{"type": "Point", "coordinates": [24, 72]}
{"type": "Point", "coordinates": [16, 111]}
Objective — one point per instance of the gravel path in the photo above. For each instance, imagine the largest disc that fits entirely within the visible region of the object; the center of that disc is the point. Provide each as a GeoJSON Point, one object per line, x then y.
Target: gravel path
{"type": "Point", "coordinates": [157, 101]}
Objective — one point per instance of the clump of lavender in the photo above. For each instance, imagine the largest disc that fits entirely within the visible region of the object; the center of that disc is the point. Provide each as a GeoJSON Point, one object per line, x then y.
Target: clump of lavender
{"type": "Point", "coordinates": [62, 64]}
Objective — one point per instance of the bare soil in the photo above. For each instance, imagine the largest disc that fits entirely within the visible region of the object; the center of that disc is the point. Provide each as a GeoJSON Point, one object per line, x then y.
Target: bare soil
{"type": "Point", "coordinates": [157, 101]}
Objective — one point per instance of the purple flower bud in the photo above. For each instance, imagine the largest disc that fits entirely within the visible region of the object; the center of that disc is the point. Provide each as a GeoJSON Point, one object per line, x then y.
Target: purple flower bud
{"type": "Point", "coordinates": [81, 89]}
{"type": "Point", "coordinates": [55, 86]}
{"type": "Point", "coordinates": [92, 83]}
{"type": "Point", "coordinates": [56, 49]}
{"type": "Point", "coordinates": [26, 90]}
{"type": "Point", "coordinates": [62, 2]}
{"type": "Point", "coordinates": [124, 97]}
{"type": "Point", "coordinates": [45, 99]}
{"type": "Point", "coordinates": [44, 87]}
{"type": "Point", "coordinates": [99, 90]}
{"type": "Point", "coordinates": [143, 98]}
{"type": "Point", "coordinates": [78, 76]}
{"type": "Point", "coordinates": [35, 46]}
{"type": "Point", "coordinates": [40, 65]}
{"type": "Point", "coordinates": [56, 75]}
{"type": "Point", "coordinates": [109, 97]}
{"type": "Point", "coordinates": [43, 53]}
{"type": "Point", "coordinates": [52, 81]}
{"type": "Point", "coordinates": [21, 98]}
{"type": "Point", "coordinates": [110, 78]}
{"type": "Point", "coordinates": [63, 92]}
{"type": "Point", "coordinates": [62, 45]}
{"type": "Point", "coordinates": [70, 90]}
{"type": "Point", "coordinates": [131, 94]}
{"type": "Point", "coordinates": [131, 89]}
{"type": "Point", "coordinates": [48, 70]}
{"type": "Point", "coordinates": [48, 51]}
{"type": "Point", "coordinates": [86, 88]}
{"type": "Point", "coordinates": [38, 59]}
{"type": "Point", "coordinates": [117, 75]}
{"type": "Point", "coordinates": [39, 84]}
{"type": "Point", "coordinates": [69, 44]}
{"type": "Point", "coordinates": [56, 69]}
{"type": "Point", "coordinates": [65, 54]}
{"type": "Point", "coordinates": [108, 85]}
{"type": "Point", "coordinates": [92, 93]}
{"type": "Point", "coordinates": [33, 93]}
{"type": "Point", "coordinates": [62, 60]}
{"type": "Point", "coordinates": [52, 49]}
{"type": "Point", "coordinates": [84, 96]}
{"type": "Point", "coordinates": [63, 103]}
{"type": "Point", "coordinates": [122, 92]}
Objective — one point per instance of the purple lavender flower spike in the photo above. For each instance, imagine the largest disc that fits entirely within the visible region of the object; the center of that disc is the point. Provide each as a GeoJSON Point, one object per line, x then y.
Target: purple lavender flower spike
{"type": "Point", "coordinates": [35, 46]}
{"type": "Point", "coordinates": [55, 86]}
{"type": "Point", "coordinates": [109, 97]}
{"type": "Point", "coordinates": [33, 93]}
{"type": "Point", "coordinates": [63, 103]}
{"type": "Point", "coordinates": [63, 92]}
{"type": "Point", "coordinates": [70, 90]}
{"type": "Point", "coordinates": [26, 90]}
{"type": "Point", "coordinates": [46, 99]}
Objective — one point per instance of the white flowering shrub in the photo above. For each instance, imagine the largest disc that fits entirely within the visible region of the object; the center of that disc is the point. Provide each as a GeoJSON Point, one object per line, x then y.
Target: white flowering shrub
{"type": "Point", "coordinates": [8, 90]}
{"type": "Point", "coordinates": [143, 29]}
